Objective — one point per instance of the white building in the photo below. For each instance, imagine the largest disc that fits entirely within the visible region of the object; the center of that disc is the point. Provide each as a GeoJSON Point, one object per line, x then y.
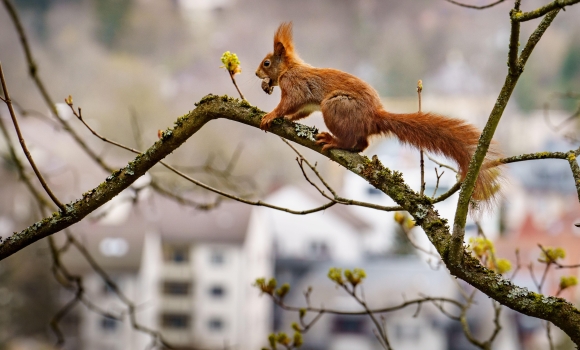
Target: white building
{"type": "Point", "coordinates": [335, 233]}
{"type": "Point", "coordinates": [188, 272]}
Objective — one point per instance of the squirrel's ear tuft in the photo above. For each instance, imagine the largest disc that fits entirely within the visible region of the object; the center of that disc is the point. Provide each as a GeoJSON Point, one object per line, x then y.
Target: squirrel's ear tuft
{"type": "Point", "coordinates": [283, 42]}
{"type": "Point", "coordinates": [279, 49]}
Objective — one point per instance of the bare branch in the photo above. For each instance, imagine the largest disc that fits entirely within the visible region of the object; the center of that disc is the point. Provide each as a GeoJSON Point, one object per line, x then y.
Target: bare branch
{"type": "Point", "coordinates": [539, 12]}
{"type": "Point", "coordinates": [442, 165]}
{"type": "Point", "coordinates": [514, 42]}
{"type": "Point", "coordinates": [490, 127]}
{"type": "Point", "coordinates": [437, 183]}
{"type": "Point", "coordinates": [33, 71]}
{"type": "Point", "coordinates": [364, 312]}
{"type": "Point", "coordinates": [20, 168]}
{"type": "Point", "coordinates": [23, 143]}
{"type": "Point", "coordinates": [236, 85]}
{"type": "Point", "coordinates": [482, 7]}
{"type": "Point", "coordinates": [336, 199]}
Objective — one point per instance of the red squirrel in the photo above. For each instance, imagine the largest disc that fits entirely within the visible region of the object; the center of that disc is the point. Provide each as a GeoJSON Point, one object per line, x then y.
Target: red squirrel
{"type": "Point", "coordinates": [352, 111]}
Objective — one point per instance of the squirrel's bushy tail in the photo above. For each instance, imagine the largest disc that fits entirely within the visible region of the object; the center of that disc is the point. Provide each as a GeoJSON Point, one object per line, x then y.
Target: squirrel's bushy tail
{"type": "Point", "coordinates": [453, 138]}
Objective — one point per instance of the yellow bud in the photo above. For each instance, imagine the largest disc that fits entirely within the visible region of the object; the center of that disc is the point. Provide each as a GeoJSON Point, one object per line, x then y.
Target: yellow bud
{"type": "Point", "coordinates": [231, 62]}
{"type": "Point", "coordinates": [335, 275]}
{"type": "Point", "coordinates": [283, 290]}
{"type": "Point", "coordinates": [271, 286]}
{"type": "Point", "coordinates": [348, 275]}
{"type": "Point", "coordinates": [283, 339]}
{"type": "Point", "coordinates": [480, 246]}
{"type": "Point", "coordinates": [400, 217]}
{"type": "Point", "coordinates": [550, 255]}
{"type": "Point", "coordinates": [360, 272]}
{"type": "Point", "coordinates": [503, 265]}
{"type": "Point", "coordinates": [568, 281]}
{"type": "Point", "coordinates": [272, 340]}
{"type": "Point", "coordinates": [409, 223]}
{"type": "Point", "coordinates": [298, 341]}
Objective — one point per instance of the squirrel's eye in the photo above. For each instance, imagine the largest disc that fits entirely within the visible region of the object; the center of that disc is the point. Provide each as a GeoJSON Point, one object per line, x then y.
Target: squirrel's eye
{"type": "Point", "coordinates": [266, 63]}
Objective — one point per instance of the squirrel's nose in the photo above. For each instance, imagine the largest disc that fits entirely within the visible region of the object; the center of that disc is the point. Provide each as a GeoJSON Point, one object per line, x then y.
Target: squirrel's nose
{"type": "Point", "coordinates": [257, 74]}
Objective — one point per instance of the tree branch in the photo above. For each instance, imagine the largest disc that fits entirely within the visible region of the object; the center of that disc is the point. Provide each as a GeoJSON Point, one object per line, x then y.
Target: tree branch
{"type": "Point", "coordinates": [489, 130]}
{"type": "Point", "coordinates": [537, 13]}
{"type": "Point", "coordinates": [482, 7]}
{"type": "Point", "coordinates": [8, 102]}
{"type": "Point", "coordinates": [560, 312]}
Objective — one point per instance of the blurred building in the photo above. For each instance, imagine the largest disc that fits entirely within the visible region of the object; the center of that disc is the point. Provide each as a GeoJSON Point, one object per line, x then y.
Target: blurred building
{"type": "Point", "coordinates": [390, 282]}
{"type": "Point", "coordinates": [336, 233]}
{"type": "Point", "coordinates": [188, 273]}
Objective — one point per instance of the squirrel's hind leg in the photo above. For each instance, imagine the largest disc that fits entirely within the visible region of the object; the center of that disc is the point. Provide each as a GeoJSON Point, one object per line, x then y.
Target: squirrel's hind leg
{"type": "Point", "coordinates": [343, 115]}
{"type": "Point", "coordinates": [329, 142]}
{"type": "Point", "coordinates": [326, 140]}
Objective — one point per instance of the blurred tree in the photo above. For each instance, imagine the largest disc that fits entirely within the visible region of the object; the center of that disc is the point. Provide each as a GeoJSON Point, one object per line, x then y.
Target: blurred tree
{"type": "Point", "coordinates": [112, 16]}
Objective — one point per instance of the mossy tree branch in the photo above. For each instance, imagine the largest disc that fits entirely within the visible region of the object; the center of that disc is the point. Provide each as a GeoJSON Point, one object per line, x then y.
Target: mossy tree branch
{"type": "Point", "coordinates": [556, 310]}
{"type": "Point", "coordinates": [539, 12]}
{"type": "Point", "coordinates": [516, 67]}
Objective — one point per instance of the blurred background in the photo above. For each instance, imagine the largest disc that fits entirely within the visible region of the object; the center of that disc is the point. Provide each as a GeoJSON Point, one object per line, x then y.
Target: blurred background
{"type": "Point", "coordinates": [134, 66]}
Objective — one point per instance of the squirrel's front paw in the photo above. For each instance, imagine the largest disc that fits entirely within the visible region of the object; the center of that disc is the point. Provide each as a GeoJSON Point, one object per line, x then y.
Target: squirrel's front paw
{"type": "Point", "coordinates": [267, 121]}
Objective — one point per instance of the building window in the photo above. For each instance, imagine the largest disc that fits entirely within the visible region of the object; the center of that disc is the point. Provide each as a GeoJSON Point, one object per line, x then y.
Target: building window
{"type": "Point", "coordinates": [109, 324]}
{"type": "Point", "coordinates": [175, 320]}
{"type": "Point", "coordinates": [176, 288]}
{"type": "Point", "coordinates": [217, 291]}
{"type": "Point", "coordinates": [215, 324]}
{"type": "Point", "coordinates": [114, 247]}
{"type": "Point", "coordinates": [352, 325]}
{"type": "Point", "coordinates": [217, 257]}
{"type": "Point", "coordinates": [407, 332]}
{"type": "Point", "coordinates": [373, 191]}
{"type": "Point", "coordinates": [319, 250]}
{"type": "Point", "coordinates": [176, 253]}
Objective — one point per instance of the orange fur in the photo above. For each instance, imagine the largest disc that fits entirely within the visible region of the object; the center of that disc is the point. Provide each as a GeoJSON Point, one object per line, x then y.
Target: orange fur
{"type": "Point", "coordinates": [352, 111]}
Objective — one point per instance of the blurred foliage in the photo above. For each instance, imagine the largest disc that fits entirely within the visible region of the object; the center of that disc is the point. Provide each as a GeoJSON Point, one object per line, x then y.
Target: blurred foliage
{"type": "Point", "coordinates": [36, 5]}
{"type": "Point", "coordinates": [570, 75]}
{"type": "Point", "coordinates": [28, 297]}
{"type": "Point", "coordinates": [112, 16]}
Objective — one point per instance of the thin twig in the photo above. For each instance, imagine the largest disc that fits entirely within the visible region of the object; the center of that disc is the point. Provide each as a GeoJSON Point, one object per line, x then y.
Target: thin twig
{"type": "Point", "coordinates": [555, 5]}
{"type": "Point", "coordinates": [557, 128]}
{"type": "Point", "coordinates": [78, 114]}
{"type": "Point", "coordinates": [33, 71]}
{"type": "Point", "coordinates": [449, 193]}
{"type": "Point", "coordinates": [482, 7]}
{"type": "Point", "coordinates": [421, 162]}
{"type": "Point", "coordinates": [442, 165]}
{"type": "Point", "coordinates": [23, 143]}
{"type": "Point", "coordinates": [363, 312]}
{"type": "Point", "coordinates": [380, 329]}
{"type": "Point", "coordinates": [336, 199]}
{"type": "Point", "coordinates": [518, 265]}
{"type": "Point", "coordinates": [20, 167]}
{"type": "Point", "coordinates": [236, 85]}
{"type": "Point", "coordinates": [514, 72]}
{"type": "Point", "coordinates": [437, 183]}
